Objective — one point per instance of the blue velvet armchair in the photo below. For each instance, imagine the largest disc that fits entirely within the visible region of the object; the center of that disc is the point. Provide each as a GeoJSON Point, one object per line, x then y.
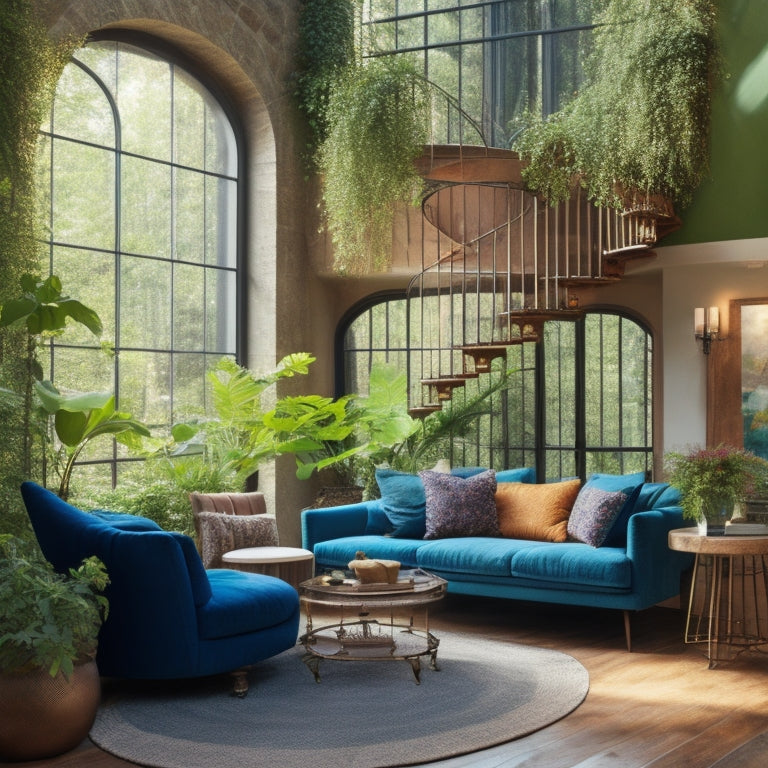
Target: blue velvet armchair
{"type": "Point", "coordinates": [169, 617]}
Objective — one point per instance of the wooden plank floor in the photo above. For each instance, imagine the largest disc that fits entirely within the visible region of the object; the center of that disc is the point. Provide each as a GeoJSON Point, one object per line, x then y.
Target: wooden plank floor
{"type": "Point", "coordinates": [658, 707]}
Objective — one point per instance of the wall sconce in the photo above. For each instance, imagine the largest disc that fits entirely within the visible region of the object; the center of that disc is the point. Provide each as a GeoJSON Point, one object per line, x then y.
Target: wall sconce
{"type": "Point", "coordinates": [706, 326]}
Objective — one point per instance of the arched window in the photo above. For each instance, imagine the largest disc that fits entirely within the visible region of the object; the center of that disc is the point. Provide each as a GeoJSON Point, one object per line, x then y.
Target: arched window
{"type": "Point", "coordinates": [578, 402]}
{"type": "Point", "coordinates": [140, 189]}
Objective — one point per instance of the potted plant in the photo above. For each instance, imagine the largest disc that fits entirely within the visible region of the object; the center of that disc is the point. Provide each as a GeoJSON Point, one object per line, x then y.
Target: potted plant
{"type": "Point", "coordinates": [49, 683]}
{"type": "Point", "coordinates": [712, 481]}
{"type": "Point", "coordinates": [636, 135]}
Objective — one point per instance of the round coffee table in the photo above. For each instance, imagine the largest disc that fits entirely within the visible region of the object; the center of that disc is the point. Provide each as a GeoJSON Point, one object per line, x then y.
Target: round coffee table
{"type": "Point", "coordinates": [290, 564]}
{"type": "Point", "coordinates": [359, 634]}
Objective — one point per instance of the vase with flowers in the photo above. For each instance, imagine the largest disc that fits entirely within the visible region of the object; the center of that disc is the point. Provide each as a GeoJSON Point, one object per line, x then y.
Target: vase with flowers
{"type": "Point", "coordinates": [712, 481]}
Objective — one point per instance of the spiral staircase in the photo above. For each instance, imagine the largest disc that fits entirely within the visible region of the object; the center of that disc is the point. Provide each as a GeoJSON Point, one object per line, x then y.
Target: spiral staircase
{"type": "Point", "coordinates": [498, 263]}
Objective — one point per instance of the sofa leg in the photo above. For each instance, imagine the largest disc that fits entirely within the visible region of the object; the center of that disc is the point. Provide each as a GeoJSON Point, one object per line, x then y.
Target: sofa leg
{"type": "Point", "coordinates": [627, 631]}
{"type": "Point", "coordinates": [240, 682]}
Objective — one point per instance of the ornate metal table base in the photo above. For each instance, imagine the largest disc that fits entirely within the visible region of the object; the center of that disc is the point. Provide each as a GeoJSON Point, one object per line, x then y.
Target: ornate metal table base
{"type": "Point", "coordinates": [363, 637]}
{"type": "Point", "coordinates": [729, 605]}
{"type": "Point", "coordinates": [372, 642]}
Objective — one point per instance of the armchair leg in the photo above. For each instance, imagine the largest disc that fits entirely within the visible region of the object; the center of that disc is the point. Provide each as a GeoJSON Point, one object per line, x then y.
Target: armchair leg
{"type": "Point", "coordinates": [627, 631]}
{"type": "Point", "coordinates": [240, 682]}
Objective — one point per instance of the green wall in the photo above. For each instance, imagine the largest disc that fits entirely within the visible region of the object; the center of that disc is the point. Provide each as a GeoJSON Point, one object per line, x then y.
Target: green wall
{"type": "Point", "coordinates": [733, 204]}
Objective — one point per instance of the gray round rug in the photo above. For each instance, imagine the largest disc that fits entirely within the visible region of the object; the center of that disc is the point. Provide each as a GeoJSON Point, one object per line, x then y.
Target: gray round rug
{"type": "Point", "coordinates": [364, 714]}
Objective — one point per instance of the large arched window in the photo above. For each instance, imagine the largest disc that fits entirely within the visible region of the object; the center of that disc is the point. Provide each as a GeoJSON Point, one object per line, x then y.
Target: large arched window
{"type": "Point", "coordinates": [578, 402]}
{"type": "Point", "coordinates": [140, 196]}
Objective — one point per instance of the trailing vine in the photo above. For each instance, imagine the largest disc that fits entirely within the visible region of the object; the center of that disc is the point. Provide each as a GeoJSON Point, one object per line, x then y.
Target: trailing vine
{"type": "Point", "coordinates": [326, 49]}
{"type": "Point", "coordinates": [30, 66]}
{"type": "Point", "coordinates": [641, 121]}
{"type": "Point", "coordinates": [378, 124]}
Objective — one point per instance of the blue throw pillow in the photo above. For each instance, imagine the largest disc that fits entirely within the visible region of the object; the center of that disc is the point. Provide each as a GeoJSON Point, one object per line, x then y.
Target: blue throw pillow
{"type": "Point", "coordinates": [518, 475]}
{"type": "Point", "coordinates": [628, 484]}
{"type": "Point", "coordinates": [404, 503]}
{"type": "Point", "coordinates": [458, 506]}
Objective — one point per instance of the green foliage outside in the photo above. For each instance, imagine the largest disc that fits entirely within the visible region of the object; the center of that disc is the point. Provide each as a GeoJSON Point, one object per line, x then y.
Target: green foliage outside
{"type": "Point", "coordinates": [30, 64]}
{"type": "Point", "coordinates": [48, 621]}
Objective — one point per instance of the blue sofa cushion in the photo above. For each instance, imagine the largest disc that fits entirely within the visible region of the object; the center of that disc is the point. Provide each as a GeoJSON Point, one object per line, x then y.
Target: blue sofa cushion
{"type": "Point", "coordinates": [338, 552]}
{"type": "Point", "coordinates": [574, 563]}
{"type": "Point", "coordinates": [126, 522]}
{"type": "Point", "coordinates": [518, 475]}
{"type": "Point", "coordinates": [244, 602]}
{"type": "Point", "coordinates": [656, 496]}
{"type": "Point", "coordinates": [458, 506]}
{"type": "Point", "coordinates": [403, 502]}
{"type": "Point", "coordinates": [631, 485]}
{"type": "Point", "coordinates": [479, 556]}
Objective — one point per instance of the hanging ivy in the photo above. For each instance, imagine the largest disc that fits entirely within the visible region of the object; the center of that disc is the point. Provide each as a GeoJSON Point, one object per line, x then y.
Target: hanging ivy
{"type": "Point", "coordinates": [326, 49]}
{"type": "Point", "coordinates": [378, 124]}
{"type": "Point", "coordinates": [30, 66]}
{"type": "Point", "coordinates": [641, 121]}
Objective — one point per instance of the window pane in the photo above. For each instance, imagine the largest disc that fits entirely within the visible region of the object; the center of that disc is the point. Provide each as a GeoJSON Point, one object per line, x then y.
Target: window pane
{"type": "Point", "coordinates": [144, 382]}
{"type": "Point", "coordinates": [188, 297]}
{"type": "Point", "coordinates": [88, 276]}
{"type": "Point", "coordinates": [145, 207]}
{"type": "Point", "coordinates": [82, 110]}
{"type": "Point", "coordinates": [220, 222]}
{"type": "Point", "coordinates": [144, 100]}
{"type": "Point", "coordinates": [189, 221]}
{"type": "Point", "coordinates": [85, 370]}
{"type": "Point", "coordinates": [83, 195]}
{"type": "Point", "coordinates": [189, 386]}
{"type": "Point", "coordinates": [145, 319]}
{"type": "Point", "coordinates": [221, 311]}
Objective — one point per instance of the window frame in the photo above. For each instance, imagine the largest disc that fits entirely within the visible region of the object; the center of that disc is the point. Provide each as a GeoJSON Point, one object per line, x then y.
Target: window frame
{"type": "Point", "coordinates": [175, 58]}
{"type": "Point", "coordinates": [541, 451]}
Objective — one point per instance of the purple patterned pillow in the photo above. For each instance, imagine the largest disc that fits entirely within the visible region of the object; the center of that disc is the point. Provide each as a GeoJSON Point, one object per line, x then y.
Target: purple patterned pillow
{"type": "Point", "coordinates": [458, 506]}
{"type": "Point", "coordinates": [594, 513]}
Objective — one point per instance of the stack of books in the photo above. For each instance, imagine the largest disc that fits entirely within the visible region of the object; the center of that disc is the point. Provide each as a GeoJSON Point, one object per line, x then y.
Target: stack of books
{"type": "Point", "coordinates": [745, 529]}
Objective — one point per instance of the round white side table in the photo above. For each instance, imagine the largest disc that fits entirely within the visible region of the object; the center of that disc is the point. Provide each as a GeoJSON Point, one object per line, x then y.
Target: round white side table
{"type": "Point", "coordinates": [290, 564]}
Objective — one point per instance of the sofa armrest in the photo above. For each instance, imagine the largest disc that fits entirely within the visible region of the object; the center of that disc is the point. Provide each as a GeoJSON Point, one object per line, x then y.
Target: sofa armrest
{"type": "Point", "coordinates": [656, 569]}
{"type": "Point", "coordinates": [333, 522]}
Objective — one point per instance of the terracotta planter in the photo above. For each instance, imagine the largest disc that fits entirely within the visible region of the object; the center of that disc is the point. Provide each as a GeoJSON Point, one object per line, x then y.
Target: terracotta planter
{"type": "Point", "coordinates": [43, 716]}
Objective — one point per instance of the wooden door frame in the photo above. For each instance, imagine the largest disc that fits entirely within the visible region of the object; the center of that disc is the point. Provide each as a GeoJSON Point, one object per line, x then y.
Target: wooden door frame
{"type": "Point", "coordinates": [725, 423]}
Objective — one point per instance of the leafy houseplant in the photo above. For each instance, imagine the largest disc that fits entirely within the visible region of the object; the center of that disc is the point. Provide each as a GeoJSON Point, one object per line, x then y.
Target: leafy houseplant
{"type": "Point", "coordinates": [49, 684]}
{"type": "Point", "coordinates": [378, 124]}
{"type": "Point", "coordinates": [49, 621]}
{"type": "Point", "coordinates": [78, 417]}
{"type": "Point", "coordinates": [712, 480]}
{"type": "Point", "coordinates": [637, 132]}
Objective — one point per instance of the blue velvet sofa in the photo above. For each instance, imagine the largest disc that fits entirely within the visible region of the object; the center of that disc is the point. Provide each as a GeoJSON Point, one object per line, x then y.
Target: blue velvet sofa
{"type": "Point", "coordinates": [168, 616]}
{"type": "Point", "coordinates": [631, 570]}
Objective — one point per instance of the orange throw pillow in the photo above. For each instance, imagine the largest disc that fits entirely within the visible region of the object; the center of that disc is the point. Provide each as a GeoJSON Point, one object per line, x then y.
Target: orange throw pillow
{"type": "Point", "coordinates": [536, 511]}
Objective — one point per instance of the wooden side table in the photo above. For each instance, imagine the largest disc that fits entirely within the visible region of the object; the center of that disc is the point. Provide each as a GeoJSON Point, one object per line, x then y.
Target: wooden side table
{"type": "Point", "coordinates": [290, 564]}
{"type": "Point", "coordinates": [728, 605]}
